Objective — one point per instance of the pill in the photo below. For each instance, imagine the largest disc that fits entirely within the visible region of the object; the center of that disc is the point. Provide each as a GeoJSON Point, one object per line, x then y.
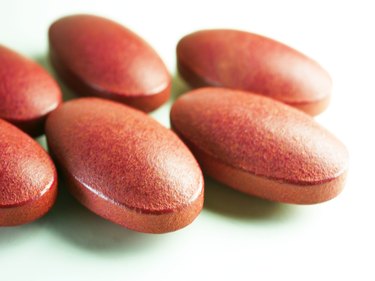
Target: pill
{"type": "Point", "coordinates": [249, 62]}
{"type": "Point", "coordinates": [124, 166]}
{"type": "Point", "coordinates": [95, 56]}
{"type": "Point", "coordinates": [260, 146]}
{"type": "Point", "coordinates": [27, 92]}
{"type": "Point", "coordinates": [28, 178]}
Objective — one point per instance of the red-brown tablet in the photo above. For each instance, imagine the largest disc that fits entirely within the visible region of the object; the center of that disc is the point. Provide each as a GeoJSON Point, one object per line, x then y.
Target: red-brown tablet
{"type": "Point", "coordinates": [124, 166]}
{"type": "Point", "coordinates": [28, 179]}
{"type": "Point", "coordinates": [245, 61]}
{"type": "Point", "coordinates": [27, 92]}
{"type": "Point", "coordinates": [95, 56]}
{"type": "Point", "coordinates": [260, 146]}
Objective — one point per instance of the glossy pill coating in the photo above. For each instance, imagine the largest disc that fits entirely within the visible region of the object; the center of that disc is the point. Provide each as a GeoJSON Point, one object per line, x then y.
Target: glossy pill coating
{"type": "Point", "coordinates": [245, 61]}
{"type": "Point", "coordinates": [28, 179]}
{"type": "Point", "coordinates": [95, 56]}
{"type": "Point", "coordinates": [124, 166]}
{"type": "Point", "coordinates": [27, 92]}
{"type": "Point", "coordinates": [260, 146]}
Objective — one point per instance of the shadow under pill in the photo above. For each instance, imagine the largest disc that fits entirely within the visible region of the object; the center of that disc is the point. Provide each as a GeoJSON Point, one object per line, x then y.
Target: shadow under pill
{"type": "Point", "coordinates": [42, 140]}
{"type": "Point", "coordinates": [44, 61]}
{"type": "Point", "coordinates": [232, 203]}
{"type": "Point", "coordinates": [179, 86]}
{"type": "Point", "coordinates": [82, 228]}
{"type": "Point", "coordinates": [17, 234]}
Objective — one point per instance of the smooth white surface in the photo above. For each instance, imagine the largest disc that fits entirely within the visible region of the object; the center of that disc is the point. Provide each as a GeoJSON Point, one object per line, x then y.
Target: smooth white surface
{"type": "Point", "coordinates": [236, 237]}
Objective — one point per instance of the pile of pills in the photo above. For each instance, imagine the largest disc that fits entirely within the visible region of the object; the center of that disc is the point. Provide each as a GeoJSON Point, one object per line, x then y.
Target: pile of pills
{"type": "Point", "coordinates": [248, 125]}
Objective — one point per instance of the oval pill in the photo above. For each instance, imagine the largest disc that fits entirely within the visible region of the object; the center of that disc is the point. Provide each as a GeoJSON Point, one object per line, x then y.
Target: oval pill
{"type": "Point", "coordinates": [260, 146]}
{"type": "Point", "coordinates": [245, 61]}
{"type": "Point", "coordinates": [124, 166]}
{"type": "Point", "coordinates": [28, 179]}
{"type": "Point", "coordinates": [95, 56]}
{"type": "Point", "coordinates": [27, 92]}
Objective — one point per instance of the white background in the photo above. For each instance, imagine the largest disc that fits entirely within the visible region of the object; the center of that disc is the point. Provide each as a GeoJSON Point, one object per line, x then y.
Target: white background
{"type": "Point", "coordinates": [236, 237]}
